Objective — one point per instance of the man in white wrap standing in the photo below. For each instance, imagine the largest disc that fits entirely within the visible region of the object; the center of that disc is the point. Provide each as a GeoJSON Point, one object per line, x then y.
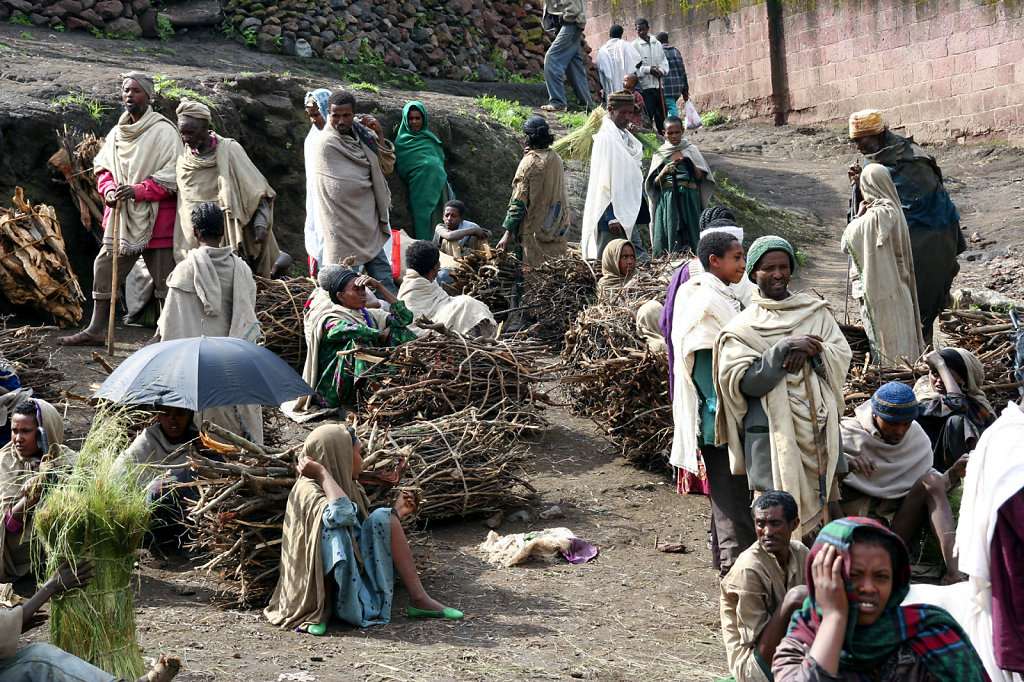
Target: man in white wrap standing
{"type": "Point", "coordinates": [615, 193]}
{"type": "Point", "coordinates": [615, 60]}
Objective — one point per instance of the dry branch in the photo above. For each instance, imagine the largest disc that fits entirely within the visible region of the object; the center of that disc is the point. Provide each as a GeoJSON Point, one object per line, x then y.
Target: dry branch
{"type": "Point", "coordinates": [279, 304]}
{"type": "Point", "coordinates": [74, 162]}
{"type": "Point", "coordinates": [488, 276]}
{"type": "Point", "coordinates": [23, 348]}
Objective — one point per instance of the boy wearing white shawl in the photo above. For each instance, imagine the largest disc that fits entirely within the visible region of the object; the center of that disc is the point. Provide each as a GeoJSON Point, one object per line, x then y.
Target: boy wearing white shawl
{"type": "Point", "coordinates": [424, 296]}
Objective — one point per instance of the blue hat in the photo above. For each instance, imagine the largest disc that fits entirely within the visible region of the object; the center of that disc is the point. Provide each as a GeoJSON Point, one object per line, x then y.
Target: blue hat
{"type": "Point", "coordinates": [894, 402]}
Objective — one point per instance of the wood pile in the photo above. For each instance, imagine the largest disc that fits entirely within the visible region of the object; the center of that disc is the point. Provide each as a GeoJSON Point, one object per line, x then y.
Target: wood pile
{"type": "Point", "coordinates": [990, 336]}
{"type": "Point", "coordinates": [24, 348]}
{"type": "Point", "coordinates": [279, 304]}
{"type": "Point", "coordinates": [34, 267]}
{"type": "Point", "coordinates": [74, 162]}
{"type": "Point", "coordinates": [554, 294]}
{"type": "Point", "coordinates": [488, 276]}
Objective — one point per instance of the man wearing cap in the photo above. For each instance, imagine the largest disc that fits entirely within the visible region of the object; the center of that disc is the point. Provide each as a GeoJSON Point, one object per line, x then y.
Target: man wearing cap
{"type": "Point", "coordinates": [568, 18]}
{"type": "Point", "coordinates": [616, 59]}
{"type": "Point", "coordinates": [779, 372]}
{"type": "Point", "coordinates": [653, 67]}
{"type": "Point", "coordinates": [615, 203]}
{"type": "Point", "coordinates": [891, 478]}
{"type": "Point", "coordinates": [935, 235]}
{"type": "Point", "coordinates": [135, 175]}
{"type": "Point", "coordinates": [213, 168]}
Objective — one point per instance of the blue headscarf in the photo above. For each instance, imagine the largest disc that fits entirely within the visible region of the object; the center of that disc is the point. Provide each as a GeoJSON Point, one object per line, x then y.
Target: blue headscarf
{"type": "Point", "coordinates": [320, 96]}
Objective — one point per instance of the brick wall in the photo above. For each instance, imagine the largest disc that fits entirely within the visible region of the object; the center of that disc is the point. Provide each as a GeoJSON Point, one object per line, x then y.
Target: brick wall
{"type": "Point", "coordinates": [940, 69]}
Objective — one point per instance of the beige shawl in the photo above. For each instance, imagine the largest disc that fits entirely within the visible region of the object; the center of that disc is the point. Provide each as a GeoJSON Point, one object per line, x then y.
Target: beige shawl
{"type": "Point", "coordinates": [228, 178]}
{"type": "Point", "coordinates": [647, 317]}
{"type": "Point", "coordinates": [612, 280]}
{"type": "Point", "coordinates": [794, 459]}
{"type": "Point", "coordinates": [898, 466]}
{"type": "Point", "coordinates": [321, 310]}
{"type": "Point", "coordinates": [150, 448]}
{"type": "Point", "coordinates": [972, 382]}
{"type": "Point", "coordinates": [353, 197]}
{"type": "Point", "coordinates": [134, 152]}
{"type": "Point", "coordinates": [461, 314]}
{"type": "Point", "coordinates": [300, 598]}
{"type": "Point", "coordinates": [704, 305]}
{"type": "Point", "coordinates": [882, 266]}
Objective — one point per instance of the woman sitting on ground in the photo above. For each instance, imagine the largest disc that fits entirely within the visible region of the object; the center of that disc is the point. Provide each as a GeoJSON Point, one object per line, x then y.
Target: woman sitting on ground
{"type": "Point", "coordinates": [329, 531]}
{"type": "Point", "coordinates": [852, 626]}
{"type": "Point", "coordinates": [954, 410]}
{"type": "Point", "coordinates": [618, 266]}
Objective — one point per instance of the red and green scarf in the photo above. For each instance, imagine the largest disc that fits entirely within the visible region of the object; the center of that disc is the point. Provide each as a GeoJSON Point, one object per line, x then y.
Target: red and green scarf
{"type": "Point", "coordinates": [930, 631]}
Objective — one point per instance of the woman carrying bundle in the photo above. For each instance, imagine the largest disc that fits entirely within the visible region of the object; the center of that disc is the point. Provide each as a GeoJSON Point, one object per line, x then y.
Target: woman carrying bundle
{"type": "Point", "coordinates": [419, 157]}
{"type": "Point", "coordinates": [338, 557]}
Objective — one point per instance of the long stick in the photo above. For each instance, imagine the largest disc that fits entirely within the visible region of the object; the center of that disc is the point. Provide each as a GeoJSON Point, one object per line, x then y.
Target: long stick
{"type": "Point", "coordinates": [115, 215]}
{"type": "Point", "coordinates": [822, 495]}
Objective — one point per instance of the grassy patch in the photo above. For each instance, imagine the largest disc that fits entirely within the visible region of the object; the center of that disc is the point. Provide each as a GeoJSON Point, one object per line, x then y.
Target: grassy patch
{"type": "Point", "coordinates": [573, 120]}
{"type": "Point", "coordinates": [379, 74]}
{"type": "Point", "coordinates": [510, 114]}
{"type": "Point", "coordinates": [93, 107]}
{"type": "Point", "coordinates": [364, 86]}
{"type": "Point", "coordinates": [166, 87]}
{"type": "Point", "coordinates": [758, 220]}
{"type": "Point", "coordinates": [164, 30]}
{"type": "Point", "coordinates": [20, 17]}
{"type": "Point", "coordinates": [713, 118]}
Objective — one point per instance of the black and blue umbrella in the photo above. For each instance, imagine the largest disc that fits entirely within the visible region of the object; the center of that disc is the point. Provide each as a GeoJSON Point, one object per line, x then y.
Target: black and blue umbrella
{"type": "Point", "coordinates": [202, 372]}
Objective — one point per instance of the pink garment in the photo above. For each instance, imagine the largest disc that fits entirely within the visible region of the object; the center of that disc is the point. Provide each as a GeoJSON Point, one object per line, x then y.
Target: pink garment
{"type": "Point", "coordinates": [637, 117]}
{"type": "Point", "coordinates": [693, 484]}
{"type": "Point", "coordinates": [12, 524]}
{"type": "Point", "coordinates": [149, 190]}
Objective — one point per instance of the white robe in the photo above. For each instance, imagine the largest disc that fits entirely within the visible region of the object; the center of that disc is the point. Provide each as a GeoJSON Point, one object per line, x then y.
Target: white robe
{"type": "Point", "coordinates": [615, 60]}
{"type": "Point", "coordinates": [312, 231]}
{"type": "Point", "coordinates": [615, 178]}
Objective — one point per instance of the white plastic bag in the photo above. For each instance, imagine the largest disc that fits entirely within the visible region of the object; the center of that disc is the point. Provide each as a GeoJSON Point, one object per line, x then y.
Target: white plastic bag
{"type": "Point", "coordinates": [692, 117]}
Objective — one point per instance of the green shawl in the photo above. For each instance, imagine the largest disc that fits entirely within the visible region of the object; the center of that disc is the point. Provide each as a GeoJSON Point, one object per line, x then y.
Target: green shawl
{"type": "Point", "coordinates": [420, 160]}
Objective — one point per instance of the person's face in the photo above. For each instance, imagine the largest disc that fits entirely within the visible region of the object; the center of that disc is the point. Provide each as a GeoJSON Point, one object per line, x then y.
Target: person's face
{"type": "Point", "coordinates": [868, 144]}
{"type": "Point", "coordinates": [674, 133]}
{"type": "Point", "coordinates": [936, 380]}
{"type": "Point", "coordinates": [25, 435]}
{"type": "Point", "coordinates": [642, 30]}
{"type": "Point", "coordinates": [892, 432]}
{"type": "Point", "coordinates": [451, 217]}
{"type": "Point", "coordinates": [871, 575]}
{"type": "Point", "coordinates": [342, 116]}
{"type": "Point", "coordinates": [732, 266]}
{"type": "Point", "coordinates": [134, 98]}
{"type": "Point", "coordinates": [193, 133]}
{"type": "Point", "coordinates": [357, 459]}
{"type": "Point", "coordinates": [174, 421]}
{"type": "Point", "coordinates": [627, 260]}
{"type": "Point", "coordinates": [415, 119]}
{"type": "Point", "coordinates": [629, 82]}
{"type": "Point", "coordinates": [773, 531]}
{"type": "Point", "coordinates": [772, 275]}
{"type": "Point", "coordinates": [353, 296]}
{"type": "Point", "coordinates": [315, 117]}
{"type": "Point", "coordinates": [620, 114]}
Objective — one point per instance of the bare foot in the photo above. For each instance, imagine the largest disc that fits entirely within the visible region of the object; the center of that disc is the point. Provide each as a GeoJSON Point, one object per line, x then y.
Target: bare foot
{"type": "Point", "coordinates": [425, 603]}
{"type": "Point", "coordinates": [83, 338]}
{"type": "Point", "coordinates": [954, 578]}
{"type": "Point", "coordinates": [163, 671]}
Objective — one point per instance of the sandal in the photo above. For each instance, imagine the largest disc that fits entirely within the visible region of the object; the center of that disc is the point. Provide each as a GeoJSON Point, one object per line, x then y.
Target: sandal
{"type": "Point", "coordinates": [447, 613]}
{"type": "Point", "coordinates": [83, 338]}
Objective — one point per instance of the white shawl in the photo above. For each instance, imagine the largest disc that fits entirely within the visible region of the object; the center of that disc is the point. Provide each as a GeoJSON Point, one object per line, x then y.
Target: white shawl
{"type": "Point", "coordinates": [313, 230]}
{"type": "Point", "coordinates": [615, 178]}
{"type": "Point", "coordinates": [457, 313]}
{"type": "Point", "coordinates": [615, 60]}
{"type": "Point", "coordinates": [898, 466]}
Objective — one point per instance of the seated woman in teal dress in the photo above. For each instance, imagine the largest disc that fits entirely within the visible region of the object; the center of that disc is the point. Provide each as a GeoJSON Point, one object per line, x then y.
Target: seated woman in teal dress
{"type": "Point", "coordinates": [330, 533]}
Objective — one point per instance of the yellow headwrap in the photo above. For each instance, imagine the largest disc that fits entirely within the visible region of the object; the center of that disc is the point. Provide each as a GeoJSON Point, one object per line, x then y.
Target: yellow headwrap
{"type": "Point", "coordinates": [866, 122]}
{"type": "Point", "coordinates": [193, 109]}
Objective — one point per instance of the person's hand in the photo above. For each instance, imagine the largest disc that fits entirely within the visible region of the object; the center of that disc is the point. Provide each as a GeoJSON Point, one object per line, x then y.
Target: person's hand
{"type": "Point", "coordinates": [35, 620]}
{"type": "Point", "coordinates": [616, 228]}
{"type": "Point", "coordinates": [481, 232]}
{"type": "Point", "coordinates": [934, 360]}
{"type": "Point", "coordinates": [384, 335]}
{"type": "Point", "coordinates": [829, 588]}
{"type": "Point", "coordinates": [862, 210]}
{"type": "Point", "coordinates": [405, 504]}
{"type": "Point", "coordinates": [656, 72]}
{"type": "Point", "coordinates": [309, 468]}
{"type": "Point", "coordinates": [371, 123]}
{"type": "Point", "coordinates": [811, 344]}
{"type": "Point", "coordinates": [959, 468]}
{"type": "Point", "coordinates": [366, 281]}
{"type": "Point", "coordinates": [862, 465]}
{"type": "Point", "coordinates": [794, 598]}
{"type": "Point", "coordinates": [854, 173]}
{"type": "Point", "coordinates": [124, 193]}
{"type": "Point", "coordinates": [259, 234]}
{"type": "Point", "coordinates": [108, 198]}
{"type": "Point", "coordinates": [68, 577]}
{"type": "Point", "coordinates": [502, 244]}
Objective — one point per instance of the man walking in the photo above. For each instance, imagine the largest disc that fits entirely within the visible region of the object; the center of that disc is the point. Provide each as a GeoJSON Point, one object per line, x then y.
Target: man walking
{"type": "Point", "coordinates": [563, 58]}
{"type": "Point", "coordinates": [653, 67]}
{"type": "Point", "coordinates": [615, 60]}
{"type": "Point", "coordinates": [674, 83]}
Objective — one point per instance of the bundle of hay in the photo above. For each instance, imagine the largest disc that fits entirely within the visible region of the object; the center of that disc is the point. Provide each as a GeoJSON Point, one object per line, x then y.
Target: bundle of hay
{"type": "Point", "coordinates": [34, 267]}
{"type": "Point", "coordinates": [577, 145]}
{"type": "Point", "coordinates": [279, 305]}
{"type": "Point", "coordinates": [96, 511]}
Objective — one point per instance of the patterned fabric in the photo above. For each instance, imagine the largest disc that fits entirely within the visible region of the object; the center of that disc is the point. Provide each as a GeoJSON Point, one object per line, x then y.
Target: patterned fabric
{"type": "Point", "coordinates": [866, 122]}
{"type": "Point", "coordinates": [358, 555]}
{"type": "Point", "coordinates": [930, 631]}
{"type": "Point", "coordinates": [675, 83]}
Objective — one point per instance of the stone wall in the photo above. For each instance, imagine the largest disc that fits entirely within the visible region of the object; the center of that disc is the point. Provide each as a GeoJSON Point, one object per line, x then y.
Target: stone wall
{"type": "Point", "coordinates": [130, 18]}
{"type": "Point", "coordinates": [940, 69]}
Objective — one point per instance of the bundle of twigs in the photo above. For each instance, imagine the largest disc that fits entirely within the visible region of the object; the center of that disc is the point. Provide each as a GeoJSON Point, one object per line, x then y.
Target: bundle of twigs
{"type": "Point", "coordinates": [612, 378]}
{"type": "Point", "coordinates": [555, 293]}
{"type": "Point", "coordinates": [74, 162]}
{"type": "Point", "coordinates": [279, 304]}
{"type": "Point", "coordinates": [858, 340]}
{"type": "Point", "coordinates": [459, 464]}
{"type": "Point", "coordinates": [444, 372]}
{"type": "Point", "coordinates": [34, 268]}
{"type": "Point", "coordinates": [990, 336]}
{"type": "Point", "coordinates": [488, 276]}
{"type": "Point", "coordinates": [22, 347]}
{"type": "Point", "coordinates": [865, 378]}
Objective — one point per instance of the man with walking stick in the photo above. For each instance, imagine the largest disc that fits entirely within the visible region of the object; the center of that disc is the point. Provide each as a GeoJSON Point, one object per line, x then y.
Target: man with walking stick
{"type": "Point", "coordinates": [136, 177]}
{"type": "Point", "coordinates": [653, 66]}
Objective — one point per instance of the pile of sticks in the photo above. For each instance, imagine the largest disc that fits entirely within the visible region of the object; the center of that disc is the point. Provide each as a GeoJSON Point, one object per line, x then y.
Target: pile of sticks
{"type": "Point", "coordinates": [554, 294]}
{"type": "Point", "coordinates": [488, 276]}
{"type": "Point", "coordinates": [865, 378]}
{"type": "Point", "coordinates": [990, 336]}
{"type": "Point", "coordinates": [458, 465]}
{"type": "Point", "coordinates": [613, 379]}
{"type": "Point", "coordinates": [279, 304]}
{"type": "Point", "coordinates": [444, 372]}
{"type": "Point", "coordinates": [23, 348]}
{"type": "Point", "coordinates": [34, 267]}
{"type": "Point", "coordinates": [74, 163]}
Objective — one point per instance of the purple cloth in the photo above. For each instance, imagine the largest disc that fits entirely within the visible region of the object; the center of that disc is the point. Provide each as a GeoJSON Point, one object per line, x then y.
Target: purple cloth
{"type": "Point", "coordinates": [580, 552]}
{"type": "Point", "coordinates": [1007, 549]}
{"type": "Point", "coordinates": [681, 276]}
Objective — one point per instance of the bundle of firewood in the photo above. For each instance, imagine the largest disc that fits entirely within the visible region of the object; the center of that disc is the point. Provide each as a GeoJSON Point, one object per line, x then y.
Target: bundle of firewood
{"type": "Point", "coordinates": [488, 276]}
{"type": "Point", "coordinates": [554, 294]}
{"type": "Point", "coordinates": [279, 304]}
{"type": "Point", "coordinates": [990, 336]}
{"type": "Point", "coordinates": [74, 162]}
{"type": "Point", "coordinates": [34, 267]}
{"type": "Point", "coordinates": [23, 348]}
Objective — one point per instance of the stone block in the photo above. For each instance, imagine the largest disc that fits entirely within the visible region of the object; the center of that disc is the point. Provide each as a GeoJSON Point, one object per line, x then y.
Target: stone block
{"type": "Point", "coordinates": [93, 18]}
{"type": "Point", "coordinates": [987, 57]}
{"type": "Point", "coordinates": [123, 26]}
{"type": "Point", "coordinates": [63, 8]}
{"type": "Point", "coordinates": [109, 9]}
{"type": "Point", "coordinates": [148, 22]}
{"type": "Point", "coordinates": [943, 67]}
{"type": "Point", "coordinates": [76, 24]}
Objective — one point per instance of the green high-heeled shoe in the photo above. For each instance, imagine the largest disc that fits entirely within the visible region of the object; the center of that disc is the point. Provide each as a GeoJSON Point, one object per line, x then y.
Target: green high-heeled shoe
{"type": "Point", "coordinates": [447, 613]}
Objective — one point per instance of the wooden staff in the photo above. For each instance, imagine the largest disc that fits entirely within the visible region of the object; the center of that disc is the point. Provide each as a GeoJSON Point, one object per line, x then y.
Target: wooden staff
{"type": "Point", "coordinates": [115, 217]}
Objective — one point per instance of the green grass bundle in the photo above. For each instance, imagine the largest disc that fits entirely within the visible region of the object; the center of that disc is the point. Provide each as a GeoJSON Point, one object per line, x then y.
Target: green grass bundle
{"type": "Point", "coordinates": [96, 511]}
{"type": "Point", "coordinates": [576, 146]}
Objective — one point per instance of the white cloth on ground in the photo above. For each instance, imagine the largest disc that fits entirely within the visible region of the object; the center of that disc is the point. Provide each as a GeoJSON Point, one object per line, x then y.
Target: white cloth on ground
{"type": "Point", "coordinates": [460, 314]}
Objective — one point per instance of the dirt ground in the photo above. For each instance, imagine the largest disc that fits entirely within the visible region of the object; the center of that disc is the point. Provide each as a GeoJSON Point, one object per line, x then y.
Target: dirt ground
{"type": "Point", "coordinates": [632, 612]}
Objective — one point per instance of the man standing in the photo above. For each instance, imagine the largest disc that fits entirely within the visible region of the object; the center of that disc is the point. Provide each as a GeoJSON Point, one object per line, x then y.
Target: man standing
{"type": "Point", "coordinates": [935, 236]}
{"type": "Point", "coordinates": [653, 67]}
{"type": "Point", "coordinates": [781, 364]}
{"type": "Point", "coordinates": [568, 18]}
{"type": "Point", "coordinates": [216, 169]}
{"type": "Point", "coordinates": [615, 194]}
{"type": "Point", "coordinates": [763, 589]}
{"type": "Point", "coordinates": [674, 83]}
{"type": "Point", "coordinates": [135, 175]}
{"type": "Point", "coordinates": [316, 109]}
{"type": "Point", "coordinates": [353, 197]}
{"type": "Point", "coordinates": [615, 60]}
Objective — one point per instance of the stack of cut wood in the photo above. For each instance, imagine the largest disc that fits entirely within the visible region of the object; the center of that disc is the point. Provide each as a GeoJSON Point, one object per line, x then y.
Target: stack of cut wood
{"type": "Point", "coordinates": [488, 276]}
{"type": "Point", "coordinates": [864, 379]}
{"type": "Point", "coordinates": [74, 162]}
{"type": "Point", "coordinates": [22, 347]}
{"type": "Point", "coordinates": [554, 295]}
{"type": "Point", "coordinates": [34, 268]}
{"type": "Point", "coordinates": [612, 378]}
{"type": "Point", "coordinates": [279, 304]}
{"type": "Point", "coordinates": [990, 336]}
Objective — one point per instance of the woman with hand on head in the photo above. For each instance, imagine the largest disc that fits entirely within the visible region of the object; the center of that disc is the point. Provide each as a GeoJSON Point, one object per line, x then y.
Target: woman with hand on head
{"type": "Point", "coordinates": [338, 557]}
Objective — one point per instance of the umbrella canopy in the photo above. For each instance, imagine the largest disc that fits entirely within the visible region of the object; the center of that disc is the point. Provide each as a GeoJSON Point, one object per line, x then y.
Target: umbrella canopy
{"type": "Point", "coordinates": [202, 372]}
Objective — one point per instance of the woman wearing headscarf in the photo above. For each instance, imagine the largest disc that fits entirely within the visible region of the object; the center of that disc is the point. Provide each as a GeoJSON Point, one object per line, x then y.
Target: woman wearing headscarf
{"type": "Point", "coordinates": [419, 157]}
{"type": "Point", "coordinates": [953, 407]}
{"type": "Point", "coordinates": [618, 266]}
{"type": "Point", "coordinates": [882, 270]}
{"type": "Point", "coordinates": [679, 187]}
{"type": "Point", "coordinates": [537, 221]}
{"type": "Point", "coordinates": [852, 626]}
{"type": "Point", "coordinates": [338, 558]}
{"type": "Point", "coordinates": [316, 108]}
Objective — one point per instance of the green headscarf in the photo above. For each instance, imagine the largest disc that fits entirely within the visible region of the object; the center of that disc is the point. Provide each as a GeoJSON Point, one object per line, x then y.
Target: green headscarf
{"type": "Point", "coordinates": [763, 245]}
{"type": "Point", "coordinates": [420, 160]}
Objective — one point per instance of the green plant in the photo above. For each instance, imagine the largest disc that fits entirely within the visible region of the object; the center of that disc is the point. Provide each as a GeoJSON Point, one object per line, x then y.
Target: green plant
{"type": "Point", "coordinates": [713, 118]}
{"type": "Point", "coordinates": [573, 120]}
{"type": "Point", "coordinates": [364, 86]}
{"type": "Point", "coordinates": [249, 37]}
{"type": "Point", "coordinates": [247, 74]}
{"type": "Point", "coordinates": [367, 55]}
{"type": "Point", "coordinates": [20, 17]}
{"type": "Point", "coordinates": [27, 36]}
{"type": "Point", "coordinates": [229, 30]}
{"type": "Point", "coordinates": [164, 30]}
{"type": "Point", "coordinates": [93, 107]}
{"type": "Point", "coordinates": [277, 44]}
{"type": "Point", "coordinates": [59, 28]}
{"type": "Point", "coordinates": [801, 258]}
{"type": "Point", "coordinates": [511, 114]}
{"type": "Point", "coordinates": [166, 87]}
